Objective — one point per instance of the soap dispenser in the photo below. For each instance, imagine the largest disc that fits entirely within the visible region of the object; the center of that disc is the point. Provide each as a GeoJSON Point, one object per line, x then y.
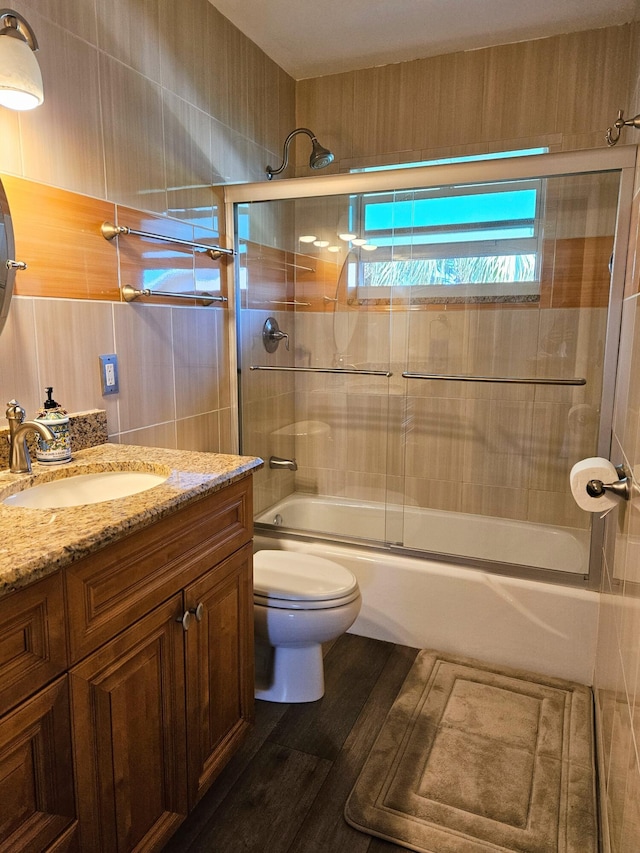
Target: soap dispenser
{"type": "Point", "coordinates": [55, 417]}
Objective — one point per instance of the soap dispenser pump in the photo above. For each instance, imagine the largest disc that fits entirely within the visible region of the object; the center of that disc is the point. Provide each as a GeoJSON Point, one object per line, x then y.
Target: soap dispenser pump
{"type": "Point", "coordinates": [56, 418]}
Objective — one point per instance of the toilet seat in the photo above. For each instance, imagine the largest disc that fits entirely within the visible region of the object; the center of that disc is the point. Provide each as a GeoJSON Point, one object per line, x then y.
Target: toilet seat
{"type": "Point", "coordinates": [298, 581]}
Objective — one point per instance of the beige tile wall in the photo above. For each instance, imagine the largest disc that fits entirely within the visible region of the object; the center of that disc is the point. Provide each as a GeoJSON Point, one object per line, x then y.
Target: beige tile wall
{"type": "Point", "coordinates": [144, 111]}
{"type": "Point", "coordinates": [162, 351]}
{"type": "Point", "coordinates": [562, 92]}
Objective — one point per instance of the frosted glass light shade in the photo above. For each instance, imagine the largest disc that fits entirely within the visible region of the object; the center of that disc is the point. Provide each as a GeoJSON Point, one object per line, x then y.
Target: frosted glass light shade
{"type": "Point", "coordinates": [20, 77]}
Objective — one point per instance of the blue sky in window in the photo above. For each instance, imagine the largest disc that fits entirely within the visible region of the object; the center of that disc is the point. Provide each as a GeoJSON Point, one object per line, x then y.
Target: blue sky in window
{"type": "Point", "coordinates": [468, 209]}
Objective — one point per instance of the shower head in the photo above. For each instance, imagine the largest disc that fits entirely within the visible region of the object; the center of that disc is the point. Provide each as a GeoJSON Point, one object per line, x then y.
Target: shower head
{"type": "Point", "coordinates": [320, 156]}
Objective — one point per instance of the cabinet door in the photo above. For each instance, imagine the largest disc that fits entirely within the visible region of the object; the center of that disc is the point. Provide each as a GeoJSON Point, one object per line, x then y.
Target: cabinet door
{"type": "Point", "coordinates": [219, 666]}
{"type": "Point", "coordinates": [129, 736]}
{"type": "Point", "coordinates": [37, 809]}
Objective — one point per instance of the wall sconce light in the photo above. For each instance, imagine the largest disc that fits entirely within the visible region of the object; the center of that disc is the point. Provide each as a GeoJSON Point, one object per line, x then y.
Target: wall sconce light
{"type": "Point", "coordinates": [320, 156]}
{"type": "Point", "coordinates": [20, 76]}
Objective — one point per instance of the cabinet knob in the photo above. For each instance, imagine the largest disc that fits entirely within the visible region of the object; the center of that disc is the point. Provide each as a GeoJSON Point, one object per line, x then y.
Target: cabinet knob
{"type": "Point", "coordinates": [198, 611]}
{"type": "Point", "coordinates": [185, 619]}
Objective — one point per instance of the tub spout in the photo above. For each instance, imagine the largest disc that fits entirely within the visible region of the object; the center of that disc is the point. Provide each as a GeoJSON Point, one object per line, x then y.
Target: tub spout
{"type": "Point", "coordinates": [278, 462]}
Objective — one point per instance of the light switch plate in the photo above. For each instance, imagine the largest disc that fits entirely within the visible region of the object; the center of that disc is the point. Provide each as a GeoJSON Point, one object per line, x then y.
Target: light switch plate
{"type": "Point", "coordinates": [109, 374]}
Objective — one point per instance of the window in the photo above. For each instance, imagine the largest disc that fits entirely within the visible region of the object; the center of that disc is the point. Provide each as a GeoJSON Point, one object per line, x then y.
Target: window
{"type": "Point", "coordinates": [452, 243]}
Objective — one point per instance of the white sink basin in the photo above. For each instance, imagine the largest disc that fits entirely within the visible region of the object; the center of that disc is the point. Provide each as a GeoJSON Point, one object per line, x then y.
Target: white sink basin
{"type": "Point", "coordinates": [85, 489]}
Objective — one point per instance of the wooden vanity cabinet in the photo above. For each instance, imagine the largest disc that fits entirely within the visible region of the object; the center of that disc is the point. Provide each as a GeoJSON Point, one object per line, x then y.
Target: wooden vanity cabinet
{"type": "Point", "coordinates": [126, 683]}
{"type": "Point", "coordinates": [37, 807]}
{"type": "Point", "coordinates": [159, 709]}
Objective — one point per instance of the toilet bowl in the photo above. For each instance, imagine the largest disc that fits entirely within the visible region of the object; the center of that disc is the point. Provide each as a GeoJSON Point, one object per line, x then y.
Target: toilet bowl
{"type": "Point", "coordinates": [299, 602]}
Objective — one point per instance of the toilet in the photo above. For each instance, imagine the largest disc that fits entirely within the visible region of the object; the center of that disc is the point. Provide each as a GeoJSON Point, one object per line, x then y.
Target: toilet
{"type": "Point", "coordinates": [299, 602]}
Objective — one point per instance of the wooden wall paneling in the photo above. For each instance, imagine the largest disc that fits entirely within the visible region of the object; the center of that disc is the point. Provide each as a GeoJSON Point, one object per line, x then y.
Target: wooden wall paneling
{"type": "Point", "coordinates": [575, 272]}
{"type": "Point", "coordinates": [57, 234]}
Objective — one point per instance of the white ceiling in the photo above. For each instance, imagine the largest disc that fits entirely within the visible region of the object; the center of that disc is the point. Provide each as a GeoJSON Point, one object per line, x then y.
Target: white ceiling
{"type": "Point", "coordinates": [312, 38]}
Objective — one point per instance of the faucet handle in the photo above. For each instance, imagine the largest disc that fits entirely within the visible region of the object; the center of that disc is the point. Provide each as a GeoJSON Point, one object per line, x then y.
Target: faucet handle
{"type": "Point", "coordinates": [15, 412]}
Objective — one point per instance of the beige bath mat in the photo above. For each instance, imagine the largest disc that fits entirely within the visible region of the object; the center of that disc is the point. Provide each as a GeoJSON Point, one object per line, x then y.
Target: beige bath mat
{"type": "Point", "coordinates": [480, 759]}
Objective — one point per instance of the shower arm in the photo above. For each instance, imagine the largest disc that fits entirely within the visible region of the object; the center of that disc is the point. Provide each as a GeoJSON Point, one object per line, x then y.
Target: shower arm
{"type": "Point", "coordinates": [285, 162]}
{"type": "Point", "coordinates": [319, 159]}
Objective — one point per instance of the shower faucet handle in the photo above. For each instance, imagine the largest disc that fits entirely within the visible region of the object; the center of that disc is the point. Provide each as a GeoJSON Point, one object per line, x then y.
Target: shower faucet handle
{"type": "Point", "coordinates": [272, 335]}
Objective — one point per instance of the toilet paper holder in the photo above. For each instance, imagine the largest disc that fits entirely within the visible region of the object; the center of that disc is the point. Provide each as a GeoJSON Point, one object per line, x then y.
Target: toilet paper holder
{"type": "Point", "coordinates": [622, 488]}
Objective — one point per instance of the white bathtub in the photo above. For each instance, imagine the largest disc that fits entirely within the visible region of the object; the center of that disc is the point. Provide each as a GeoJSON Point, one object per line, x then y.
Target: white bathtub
{"type": "Point", "coordinates": [478, 537]}
{"type": "Point", "coordinates": [427, 603]}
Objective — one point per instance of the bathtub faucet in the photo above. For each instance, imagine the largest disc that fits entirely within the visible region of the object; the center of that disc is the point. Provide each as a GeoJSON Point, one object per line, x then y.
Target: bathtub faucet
{"type": "Point", "coordinates": [278, 462]}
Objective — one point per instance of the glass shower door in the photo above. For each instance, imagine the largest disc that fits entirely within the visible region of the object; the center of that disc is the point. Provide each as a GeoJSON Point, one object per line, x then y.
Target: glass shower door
{"type": "Point", "coordinates": [507, 322]}
{"type": "Point", "coordinates": [315, 400]}
{"type": "Point", "coordinates": [449, 330]}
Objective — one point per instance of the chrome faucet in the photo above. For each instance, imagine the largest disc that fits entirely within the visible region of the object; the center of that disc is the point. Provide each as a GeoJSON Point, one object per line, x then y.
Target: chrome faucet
{"type": "Point", "coordinates": [19, 459]}
{"type": "Point", "coordinates": [278, 462]}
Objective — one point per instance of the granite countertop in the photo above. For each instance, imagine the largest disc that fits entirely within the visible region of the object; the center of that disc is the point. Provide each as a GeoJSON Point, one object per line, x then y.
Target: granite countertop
{"type": "Point", "coordinates": [39, 542]}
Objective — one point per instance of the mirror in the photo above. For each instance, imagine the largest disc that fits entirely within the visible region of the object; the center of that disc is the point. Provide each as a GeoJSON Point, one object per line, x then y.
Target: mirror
{"type": "Point", "coordinates": [7, 253]}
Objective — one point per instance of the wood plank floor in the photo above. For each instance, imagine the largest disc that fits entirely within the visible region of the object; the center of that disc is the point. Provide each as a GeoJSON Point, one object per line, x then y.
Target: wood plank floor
{"type": "Point", "coordinates": [285, 790]}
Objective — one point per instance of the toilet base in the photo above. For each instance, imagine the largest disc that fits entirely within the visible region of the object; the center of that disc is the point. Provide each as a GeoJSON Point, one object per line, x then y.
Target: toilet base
{"type": "Point", "coordinates": [296, 674]}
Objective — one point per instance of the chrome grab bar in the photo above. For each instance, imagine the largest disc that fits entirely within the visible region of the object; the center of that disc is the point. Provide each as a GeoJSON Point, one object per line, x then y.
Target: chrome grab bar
{"type": "Point", "coordinates": [109, 231]}
{"type": "Point", "coordinates": [129, 294]}
{"type": "Point", "coordinates": [347, 370]}
{"type": "Point", "coordinates": [525, 380]}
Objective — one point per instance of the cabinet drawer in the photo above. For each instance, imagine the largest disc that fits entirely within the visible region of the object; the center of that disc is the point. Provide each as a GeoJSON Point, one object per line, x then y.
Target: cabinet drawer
{"type": "Point", "coordinates": [32, 640]}
{"type": "Point", "coordinates": [111, 589]}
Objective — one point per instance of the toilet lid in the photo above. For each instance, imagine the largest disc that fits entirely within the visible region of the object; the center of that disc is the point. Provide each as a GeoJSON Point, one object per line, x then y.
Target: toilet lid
{"type": "Point", "coordinates": [294, 576]}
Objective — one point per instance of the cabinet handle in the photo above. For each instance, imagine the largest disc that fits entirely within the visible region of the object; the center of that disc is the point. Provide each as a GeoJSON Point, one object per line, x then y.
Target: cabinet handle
{"type": "Point", "coordinates": [185, 619]}
{"type": "Point", "coordinates": [198, 611]}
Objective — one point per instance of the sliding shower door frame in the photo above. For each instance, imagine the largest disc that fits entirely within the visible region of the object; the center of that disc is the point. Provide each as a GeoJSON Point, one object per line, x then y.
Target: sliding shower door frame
{"type": "Point", "coordinates": [621, 159]}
